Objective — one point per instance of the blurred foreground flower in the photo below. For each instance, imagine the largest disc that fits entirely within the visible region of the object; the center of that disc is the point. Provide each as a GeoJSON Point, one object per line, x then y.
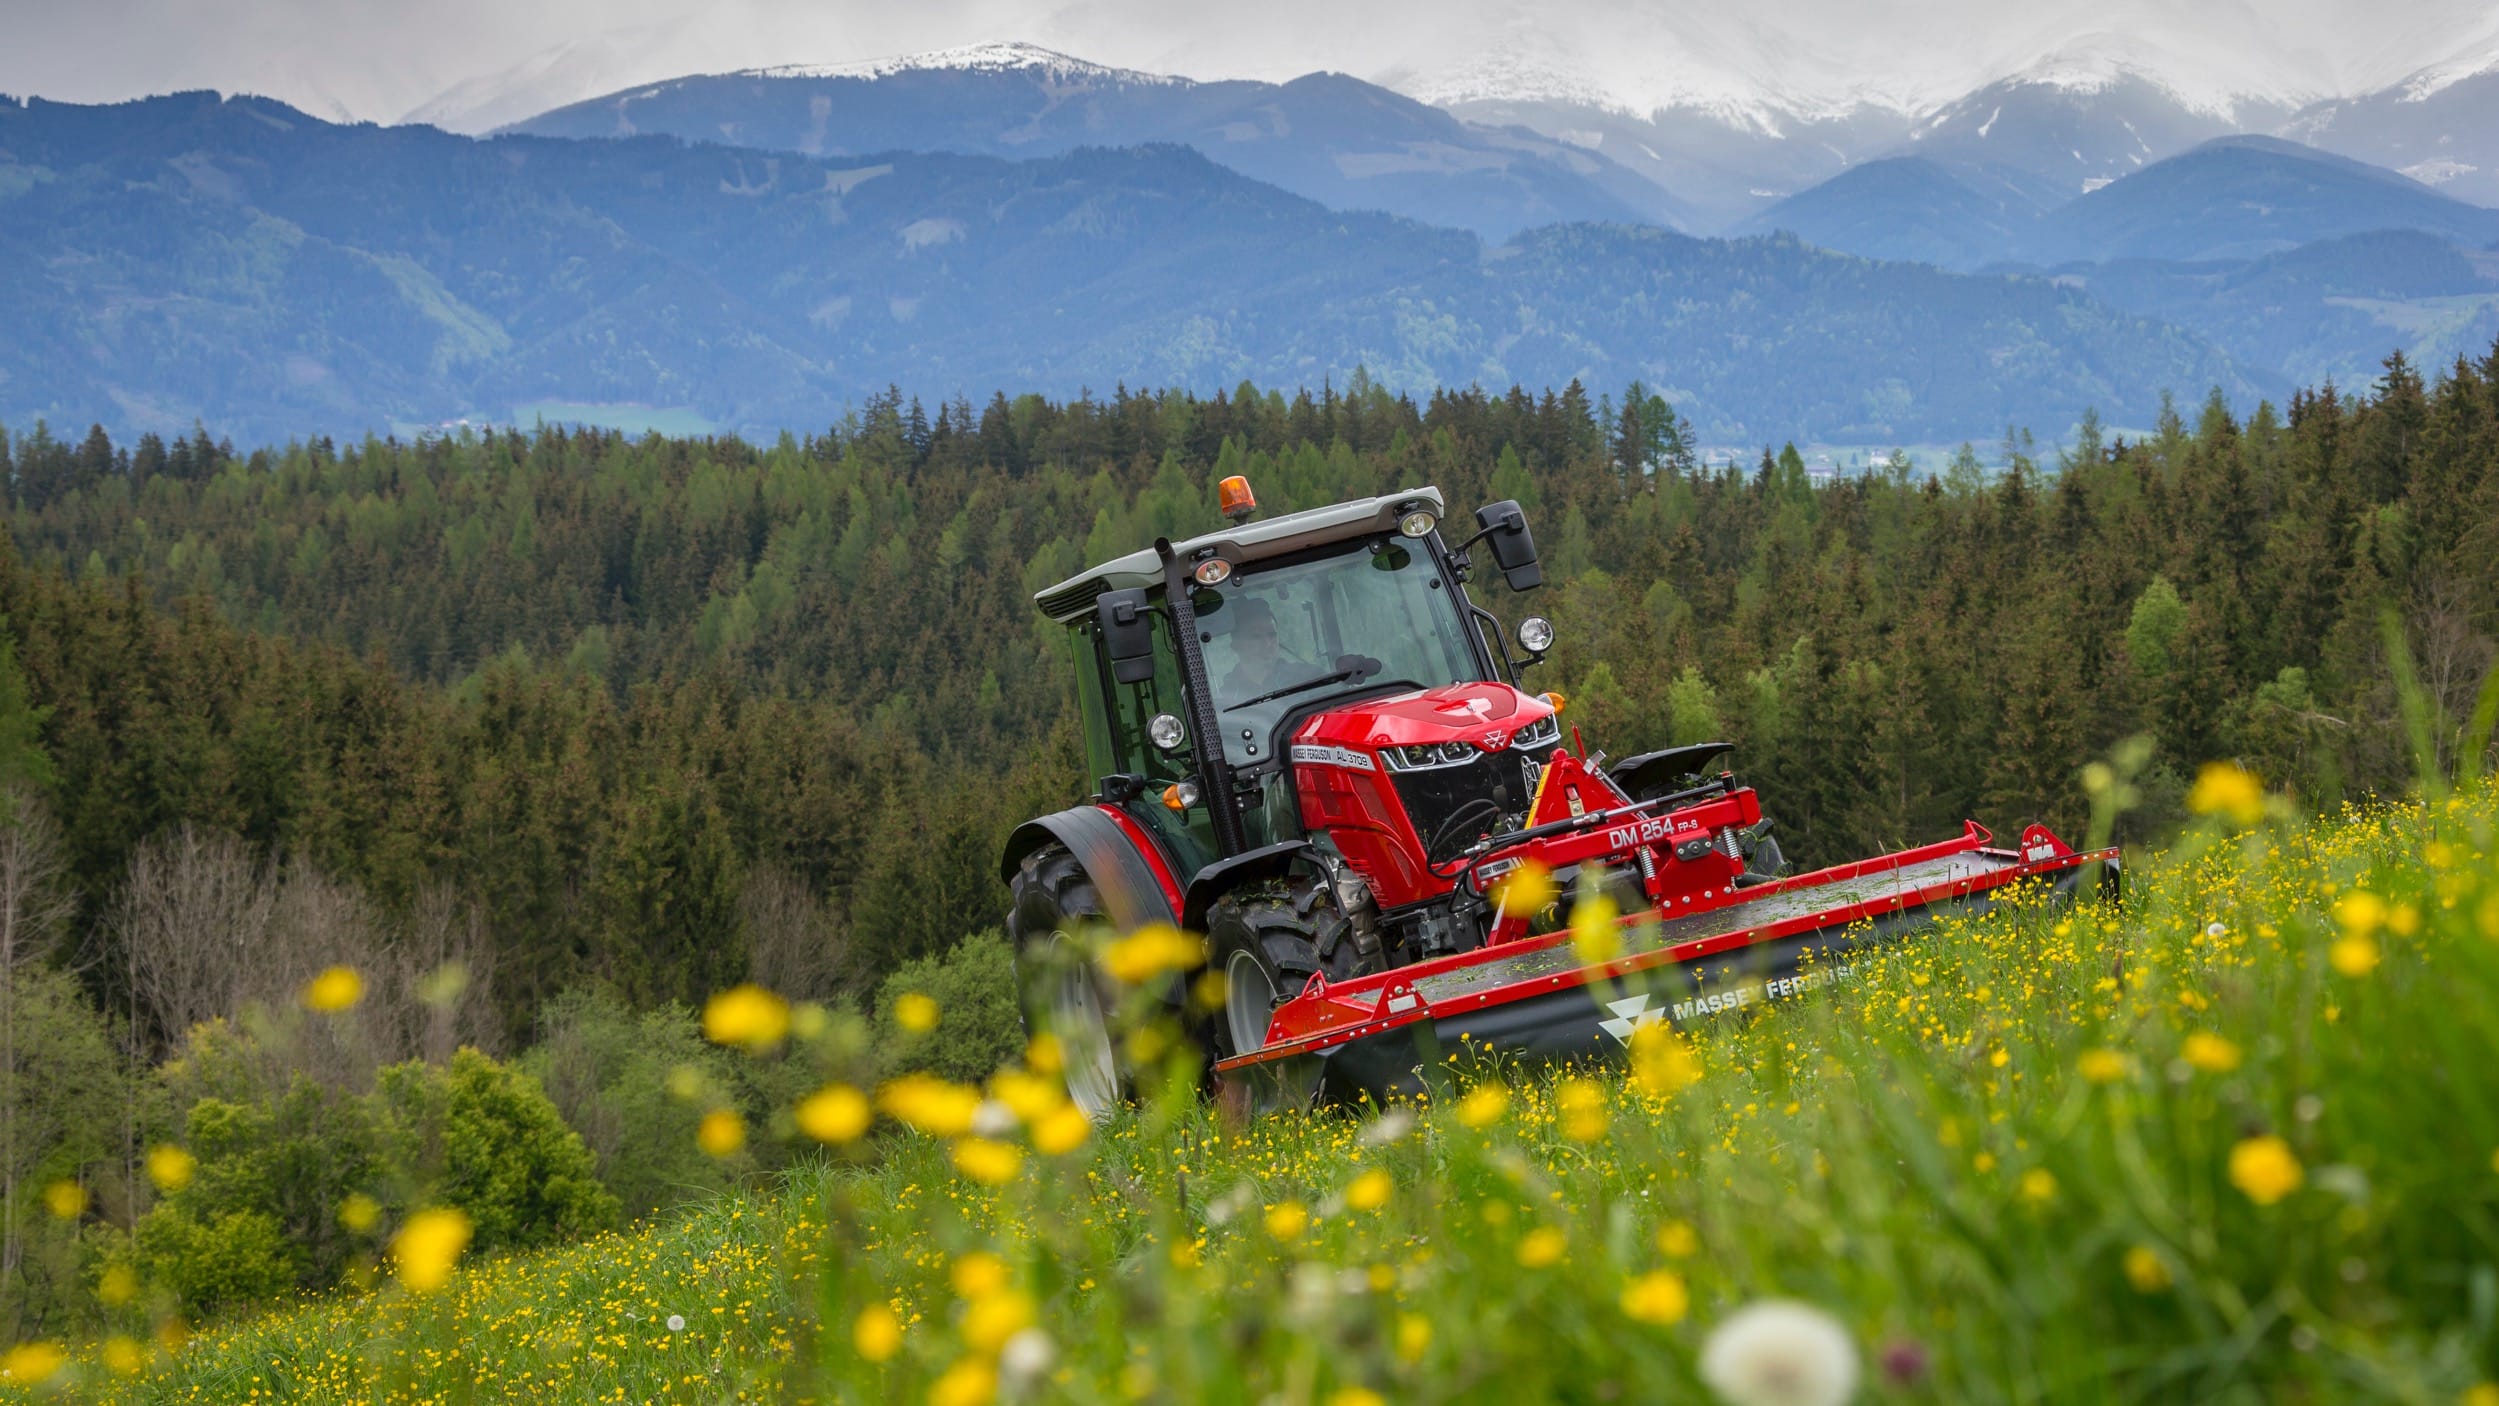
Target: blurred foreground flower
{"type": "Point", "coordinates": [428, 1246]}
{"type": "Point", "coordinates": [334, 990]}
{"type": "Point", "coordinates": [1525, 890]}
{"type": "Point", "coordinates": [746, 1015]}
{"type": "Point", "coordinates": [1369, 1191]}
{"type": "Point", "coordinates": [2102, 1066]}
{"type": "Point", "coordinates": [1594, 936]}
{"type": "Point", "coordinates": [1484, 1105]}
{"type": "Point", "coordinates": [1780, 1353]}
{"type": "Point", "coordinates": [721, 1133]}
{"type": "Point", "coordinates": [915, 1012]}
{"type": "Point", "coordinates": [1151, 951]}
{"type": "Point", "coordinates": [65, 1199]}
{"type": "Point", "coordinates": [32, 1363]}
{"type": "Point", "coordinates": [170, 1167]}
{"type": "Point", "coordinates": [836, 1114]}
{"type": "Point", "coordinates": [987, 1161]}
{"type": "Point", "coordinates": [1661, 1063]}
{"type": "Point", "coordinates": [2265, 1169]}
{"type": "Point", "coordinates": [2224, 789]}
{"type": "Point", "coordinates": [2145, 1270]}
{"type": "Point", "coordinates": [877, 1333]}
{"type": "Point", "coordinates": [2209, 1052]}
{"type": "Point", "coordinates": [931, 1104]}
{"type": "Point", "coordinates": [1657, 1297]}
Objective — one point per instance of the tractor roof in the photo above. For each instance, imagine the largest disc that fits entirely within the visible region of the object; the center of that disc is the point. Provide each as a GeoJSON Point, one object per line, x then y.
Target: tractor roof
{"type": "Point", "coordinates": [1238, 544]}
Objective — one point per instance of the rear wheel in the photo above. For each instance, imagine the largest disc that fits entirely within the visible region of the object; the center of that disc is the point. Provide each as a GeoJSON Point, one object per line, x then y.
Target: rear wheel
{"type": "Point", "coordinates": [1053, 899]}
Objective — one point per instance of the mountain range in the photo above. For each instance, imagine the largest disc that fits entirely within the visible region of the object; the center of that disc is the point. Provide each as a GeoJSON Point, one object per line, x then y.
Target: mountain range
{"type": "Point", "coordinates": [243, 263]}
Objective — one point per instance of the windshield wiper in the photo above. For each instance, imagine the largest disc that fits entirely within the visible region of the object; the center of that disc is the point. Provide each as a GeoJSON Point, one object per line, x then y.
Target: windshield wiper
{"type": "Point", "coordinates": [1352, 668]}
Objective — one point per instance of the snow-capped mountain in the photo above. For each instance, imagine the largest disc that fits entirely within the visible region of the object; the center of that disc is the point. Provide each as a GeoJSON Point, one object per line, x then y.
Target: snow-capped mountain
{"type": "Point", "coordinates": [1333, 139]}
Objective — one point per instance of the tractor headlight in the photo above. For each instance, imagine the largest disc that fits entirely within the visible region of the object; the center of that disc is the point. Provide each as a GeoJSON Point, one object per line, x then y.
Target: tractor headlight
{"type": "Point", "coordinates": [1418, 522]}
{"type": "Point", "coordinates": [1538, 735]}
{"type": "Point", "coordinates": [1535, 634]}
{"type": "Point", "coordinates": [1166, 732]}
{"type": "Point", "coordinates": [1427, 755]}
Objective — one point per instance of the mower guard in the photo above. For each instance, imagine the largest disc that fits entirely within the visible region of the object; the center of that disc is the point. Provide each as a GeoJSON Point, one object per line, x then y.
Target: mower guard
{"type": "Point", "coordinates": [1376, 1036]}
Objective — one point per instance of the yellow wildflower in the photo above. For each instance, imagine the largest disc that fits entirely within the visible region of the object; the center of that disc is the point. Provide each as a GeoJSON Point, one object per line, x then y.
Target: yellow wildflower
{"type": "Point", "coordinates": [170, 1167]}
{"type": "Point", "coordinates": [915, 1012]}
{"type": "Point", "coordinates": [987, 1161]}
{"type": "Point", "coordinates": [1151, 951]}
{"type": "Point", "coordinates": [1414, 1336]}
{"type": "Point", "coordinates": [2039, 1185]}
{"type": "Point", "coordinates": [836, 1114]}
{"type": "Point", "coordinates": [359, 1212]}
{"type": "Point", "coordinates": [2353, 955]}
{"type": "Point", "coordinates": [1369, 1191]}
{"type": "Point", "coordinates": [1524, 891]}
{"type": "Point", "coordinates": [930, 1104]}
{"type": "Point", "coordinates": [1045, 1055]}
{"type": "Point", "coordinates": [2146, 1270]}
{"type": "Point", "coordinates": [1657, 1297]}
{"type": "Point", "coordinates": [1661, 1063]}
{"type": "Point", "coordinates": [1356, 1396]}
{"type": "Point", "coordinates": [1286, 1220]}
{"type": "Point", "coordinates": [118, 1285]}
{"type": "Point", "coordinates": [970, 1382]}
{"type": "Point", "coordinates": [876, 1333]}
{"type": "Point", "coordinates": [334, 990]}
{"type": "Point", "coordinates": [2480, 1394]}
{"type": "Point", "coordinates": [428, 1246]}
{"type": "Point", "coordinates": [2265, 1169]}
{"type": "Point", "coordinates": [1030, 1097]}
{"type": "Point", "coordinates": [1484, 1105]}
{"type": "Point", "coordinates": [721, 1133]}
{"type": "Point", "coordinates": [977, 1275]}
{"type": "Point", "coordinates": [1582, 1103]}
{"type": "Point", "coordinates": [2209, 1052]}
{"type": "Point", "coordinates": [2361, 913]}
{"type": "Point", "coordinates": [32, 1364]}
{"type": "Point", "coordinates": [1594, 933]}
{"type": "Point", "coordinates": [1675, 1240]}
{"type": "Point", "coordinates": [992, 1319]}
{"type": "Point", "coordinates": [2224, 789]}
{"type": "Point", "coordinates": [2102, 1066]}
{"type": "Point", "coordinates": [746, 1015]}
{"type": "Point", "coordinates": [65, 1199]}
{"type": "Point", "coordinates": [1062, 1130]}
{"type": "Point", "coordinates": [1542, 1246]}
{"type": "Point", "coordinates": [123, 1356]}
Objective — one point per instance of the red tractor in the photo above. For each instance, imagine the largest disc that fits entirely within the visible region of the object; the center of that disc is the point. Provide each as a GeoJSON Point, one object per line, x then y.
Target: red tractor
{"type": "Point", "coordinates": [1316, 750]}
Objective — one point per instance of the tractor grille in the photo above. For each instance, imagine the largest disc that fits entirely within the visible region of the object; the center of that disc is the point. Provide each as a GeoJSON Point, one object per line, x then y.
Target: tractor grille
{"type": "Point", "coordinates": [1433, 795]}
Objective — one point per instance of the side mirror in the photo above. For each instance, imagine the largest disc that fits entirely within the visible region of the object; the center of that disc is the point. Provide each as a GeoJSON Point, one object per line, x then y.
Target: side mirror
{"type": "Point", "coordinates": [1127, 626]}
{"type": "Point", "coordinates": [1504, 529]}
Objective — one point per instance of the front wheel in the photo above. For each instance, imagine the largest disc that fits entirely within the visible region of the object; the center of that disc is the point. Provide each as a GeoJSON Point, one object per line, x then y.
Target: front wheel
{"type": "Point", "coordinates": [1267, 942]}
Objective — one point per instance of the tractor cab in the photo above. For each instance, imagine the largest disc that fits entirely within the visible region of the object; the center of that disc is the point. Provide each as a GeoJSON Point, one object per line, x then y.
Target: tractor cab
{"type": "Point", "coordinates": [1198, 663]}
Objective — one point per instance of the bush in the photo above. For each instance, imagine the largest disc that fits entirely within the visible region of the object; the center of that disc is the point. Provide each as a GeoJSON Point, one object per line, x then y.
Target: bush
{"type": "Point", "coordinates": [484, 1138]}
{"type": "Point", "coordinates": [285, 1166]}
{"type": "Point", "coordinates": [980, 1025]}
{"type": "Point", "coordinates": [610, 1071]}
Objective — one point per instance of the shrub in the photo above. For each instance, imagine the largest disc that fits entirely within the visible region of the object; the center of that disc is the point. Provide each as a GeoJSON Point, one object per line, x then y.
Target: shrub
{"type": "Point", "coordinates": [609, 1071]}
{"type": "Point", "coordinates": [227, 1259]}
{"type": "Point", "coordinates": [484, 1138]}
{"type": "Point", "coordinates": [979, 1024]}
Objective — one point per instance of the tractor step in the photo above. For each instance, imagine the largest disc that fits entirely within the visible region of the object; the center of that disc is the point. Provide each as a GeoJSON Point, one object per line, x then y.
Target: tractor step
{"type": "Point", "coordinates": [1535, 998]}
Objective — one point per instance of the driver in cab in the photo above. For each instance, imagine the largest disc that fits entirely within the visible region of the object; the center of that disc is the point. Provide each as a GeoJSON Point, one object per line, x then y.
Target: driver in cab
{"type": "Point", "coordinates": [1259, 663]}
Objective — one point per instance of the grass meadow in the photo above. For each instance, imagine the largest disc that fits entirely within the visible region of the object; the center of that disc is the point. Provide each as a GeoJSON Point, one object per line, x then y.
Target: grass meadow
{"type": "Point", "coordinates": [2236, 1140]}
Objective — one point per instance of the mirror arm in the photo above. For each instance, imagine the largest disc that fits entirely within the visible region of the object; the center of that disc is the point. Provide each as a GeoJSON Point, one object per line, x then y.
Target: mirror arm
{"type": "Point", "coordinates": [1518, 674]}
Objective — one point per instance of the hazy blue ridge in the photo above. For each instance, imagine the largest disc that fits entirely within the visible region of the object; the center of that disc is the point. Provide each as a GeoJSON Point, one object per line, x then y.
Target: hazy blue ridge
{"type": "Point", "coordinates": [241, 263]}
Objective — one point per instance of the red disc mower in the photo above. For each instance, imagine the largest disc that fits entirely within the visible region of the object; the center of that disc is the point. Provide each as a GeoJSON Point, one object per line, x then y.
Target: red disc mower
{"type": "Point", "coordinates": [1314, 748]}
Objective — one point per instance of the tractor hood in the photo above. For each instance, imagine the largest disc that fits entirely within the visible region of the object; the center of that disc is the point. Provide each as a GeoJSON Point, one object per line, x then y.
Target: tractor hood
{"type": "Point", "coordinates": [1485, 715]}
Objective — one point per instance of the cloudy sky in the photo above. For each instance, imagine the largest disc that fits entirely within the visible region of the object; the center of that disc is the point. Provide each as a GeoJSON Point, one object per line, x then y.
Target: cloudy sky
{"type": "Point", "coordinates": [386, 59]}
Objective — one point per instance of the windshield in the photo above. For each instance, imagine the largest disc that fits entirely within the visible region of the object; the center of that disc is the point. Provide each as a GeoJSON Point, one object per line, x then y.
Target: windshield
{"type": "Point", "coordinates": [1378, 614]}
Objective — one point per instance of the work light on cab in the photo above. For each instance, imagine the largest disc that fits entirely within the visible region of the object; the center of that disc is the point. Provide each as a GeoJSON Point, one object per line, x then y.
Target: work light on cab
{"type": "Point", "coordinates": [1166, 732]}
{"type": "Point", "coordinates": [1535, 634]}
{"type": "Point", "coordinates": [1234, 497]}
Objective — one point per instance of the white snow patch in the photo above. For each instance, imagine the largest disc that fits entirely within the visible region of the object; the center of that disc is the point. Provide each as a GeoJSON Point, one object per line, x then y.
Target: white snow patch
{"type": "Point", "coordinates": [1990, 124]}
{"type": "Point", "coordinates": [976, 58]}
{"type": "Point", "coordinates": [2438, 172]}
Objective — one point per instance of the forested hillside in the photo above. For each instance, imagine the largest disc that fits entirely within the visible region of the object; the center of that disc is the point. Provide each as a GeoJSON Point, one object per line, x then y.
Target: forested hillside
{"type": "Point", "coordinates": [645, 705]}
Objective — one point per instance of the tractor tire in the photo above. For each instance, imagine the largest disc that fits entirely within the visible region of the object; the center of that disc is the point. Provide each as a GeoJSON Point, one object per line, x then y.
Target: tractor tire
{"type": "Point", "coordinates": [1052, 899]}
{"type": "Point", "coordinates": [1267, 941]}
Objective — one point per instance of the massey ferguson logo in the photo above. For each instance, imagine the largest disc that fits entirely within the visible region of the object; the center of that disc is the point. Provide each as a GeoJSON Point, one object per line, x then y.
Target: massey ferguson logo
{"type": "Point", "coordinates": [1494, 739]}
